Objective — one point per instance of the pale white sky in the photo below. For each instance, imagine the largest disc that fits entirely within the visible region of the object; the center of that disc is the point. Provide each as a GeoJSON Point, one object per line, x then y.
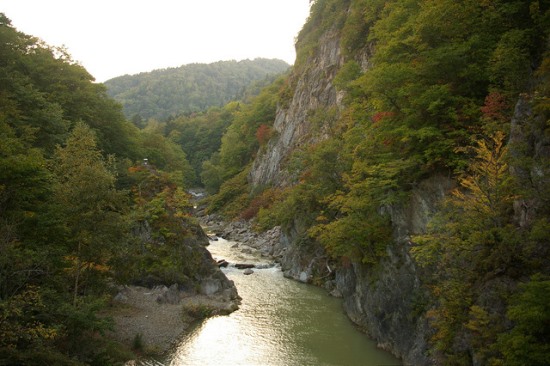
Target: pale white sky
{"type": "Point", "coordinates": [116, 37]}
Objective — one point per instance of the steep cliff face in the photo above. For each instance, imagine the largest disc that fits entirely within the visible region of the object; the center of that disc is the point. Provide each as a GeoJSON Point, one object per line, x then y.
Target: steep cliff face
{"type": "Point", "coordinates": [314, 90]}
{"type": "Point", "coordinates": [390, 299]}
{"type": "Point", "coordinates": [387, 300]}
{"type": "Point", "coordinates": [383, 301]}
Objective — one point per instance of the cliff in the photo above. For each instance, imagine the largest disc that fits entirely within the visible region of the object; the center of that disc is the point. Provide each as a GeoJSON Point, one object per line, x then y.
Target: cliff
{"type": "Point", "coordinates": [389, 298]}
{"type": "Point", "coordinates": [380, 301]}
{"type": "Point", "coordinates": [313, 91]}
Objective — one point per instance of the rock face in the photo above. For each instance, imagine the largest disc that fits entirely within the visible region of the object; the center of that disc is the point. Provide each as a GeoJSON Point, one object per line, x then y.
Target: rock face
{"type": "Point", "coordinates": [314, 90]}
{"type": "Point", "coordinates": [385, 301]}
{"type": "Point", "coordinates": [381, 300]}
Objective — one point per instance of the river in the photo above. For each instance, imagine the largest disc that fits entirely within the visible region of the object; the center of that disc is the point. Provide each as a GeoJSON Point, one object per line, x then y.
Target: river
{"type": "Point", "coordinates": [280, 322]}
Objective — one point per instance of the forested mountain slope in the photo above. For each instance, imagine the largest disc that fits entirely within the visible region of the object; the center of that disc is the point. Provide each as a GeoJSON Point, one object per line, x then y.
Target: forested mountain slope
{"type": "Point", "coordinates": [79, 211]}
{"type": "Point", "coordinates": [406, 157]}
{"type": "Point", "coordinates": [189, 88]}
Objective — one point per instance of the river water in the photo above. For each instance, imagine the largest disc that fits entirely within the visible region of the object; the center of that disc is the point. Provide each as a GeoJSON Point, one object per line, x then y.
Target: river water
{"type": "Point", "coordinates": [280, 322]}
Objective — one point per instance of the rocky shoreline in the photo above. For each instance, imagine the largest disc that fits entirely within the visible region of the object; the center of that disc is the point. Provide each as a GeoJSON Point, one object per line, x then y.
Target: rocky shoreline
{"type": "Point", "coordinates": [151, 321]}
{"type": "Point", "coordinates": [267, 243]}
{"type": "Point", "coordinates": [158, 317]}
{"type": "Point", "coordinates": [274, 244]}
{"type": "Point", "coordinates": [150, 317]}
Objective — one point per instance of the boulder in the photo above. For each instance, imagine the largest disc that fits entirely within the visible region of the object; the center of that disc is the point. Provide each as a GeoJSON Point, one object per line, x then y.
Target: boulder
{"type": "Point", "coordinates": [210, 286]}
{"type": "Point", "coordinates": [170, 295]}
{"type": "Point", "coordinates": [248, 271]}
{"type": "Point", "coordinates": [222, 263]}
{"type": "Point", "coordinates": [120, 297]}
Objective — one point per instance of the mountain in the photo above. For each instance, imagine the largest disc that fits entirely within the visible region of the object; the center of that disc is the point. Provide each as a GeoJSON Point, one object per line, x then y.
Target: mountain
{"type": "Point", "coordinates": [406, 158]}
{"type": "Point", "coordinates": [190, 88]}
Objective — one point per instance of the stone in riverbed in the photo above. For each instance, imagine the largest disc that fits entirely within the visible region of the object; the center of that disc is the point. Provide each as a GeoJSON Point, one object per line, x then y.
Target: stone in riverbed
{"type": "Point", "coordinates": [244, 265]}
{"type": "Point", "coordinates": [248, 271]}
{"type": "Point", "coordinates": [222, 263]}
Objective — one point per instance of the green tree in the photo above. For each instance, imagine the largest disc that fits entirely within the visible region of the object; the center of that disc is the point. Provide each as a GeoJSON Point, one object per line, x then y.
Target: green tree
{"type": "Point", "coordinates": [92, 207]}
{"type": "Point", "coordinates": [166, 154]}
{"type": "Point", "coordinates": [472, 240]}
{"type": "Point", "coordinates": [528, 343]}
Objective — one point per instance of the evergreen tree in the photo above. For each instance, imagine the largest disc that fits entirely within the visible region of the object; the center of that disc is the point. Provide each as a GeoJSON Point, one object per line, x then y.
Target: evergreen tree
{"type": "Point", "coordinates": [91, 205]}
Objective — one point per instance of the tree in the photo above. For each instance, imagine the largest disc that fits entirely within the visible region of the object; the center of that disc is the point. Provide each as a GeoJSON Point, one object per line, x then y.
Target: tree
{"type": "Point", "coordinates": [528, 343]}
{"type": "Point", "coordinates": [92, 208]}
{"type": "Point", "coordinates": [472, 241]}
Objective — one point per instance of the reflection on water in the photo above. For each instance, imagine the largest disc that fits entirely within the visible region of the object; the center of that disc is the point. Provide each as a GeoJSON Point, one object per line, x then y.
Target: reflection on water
{"type": "Point", "coordinates": [280, 322]}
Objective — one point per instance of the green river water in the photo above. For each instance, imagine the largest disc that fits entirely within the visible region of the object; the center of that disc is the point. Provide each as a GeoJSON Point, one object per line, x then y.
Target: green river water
{"type": "Point", "coordinates": [280, 322]}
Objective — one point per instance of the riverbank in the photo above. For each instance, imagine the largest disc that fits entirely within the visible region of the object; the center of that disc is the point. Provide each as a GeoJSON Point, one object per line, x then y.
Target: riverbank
{"type": "Point", "coordinates": [313, 268]}
{"type": "Point", "coordinates": [267, 243]}
{"type": "Point", "coordinates": [151, 321]}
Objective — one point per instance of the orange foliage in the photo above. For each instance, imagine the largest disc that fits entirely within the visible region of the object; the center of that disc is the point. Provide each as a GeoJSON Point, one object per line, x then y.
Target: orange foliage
{"type": "Point", "coordinates": [495, 107]}
{"type": "Point", "coordinates": [381, 115]}
{"type": "Point", "coordinates": [263, 134]}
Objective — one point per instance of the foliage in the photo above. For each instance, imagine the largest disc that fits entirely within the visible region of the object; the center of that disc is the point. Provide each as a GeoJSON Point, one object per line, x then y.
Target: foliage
{"type": "Point", "coordinates": [171, 92]}
{"type": "Point", "coordinates": [200, 134]}
{"type": "Point", "coordinates": [240, 141]}
{"type": "Point", "coordinates": [137, 342]}
{"type": "Point", "coordinates": [261, 201]}
{"type": "Point", "coordinates": [166, 154]}
{"type": "Point", "coordinates": [474, 240]}
{"type": "Point", "coordinates": [527, 343]}
{"type": "Point", "coordinates": [263, 134]}
{"type": "Point", "coordinates": [164, 248]}
{"type": "Point", "coordinates": [44, 93]}
{"type": "Point", "coordinates": [64, 221]}
{"type": "Point", "coordinates": [89, 203]}
{"type": "Point", "coordinates": [233, 196]}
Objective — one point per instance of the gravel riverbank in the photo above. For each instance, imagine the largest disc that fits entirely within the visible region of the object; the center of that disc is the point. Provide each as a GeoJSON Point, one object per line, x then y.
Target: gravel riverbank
{"type": "Point", "coordinates": [156, 318]}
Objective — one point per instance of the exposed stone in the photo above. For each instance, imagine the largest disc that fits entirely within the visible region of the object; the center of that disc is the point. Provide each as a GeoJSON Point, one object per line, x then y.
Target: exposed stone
{"type": "Point", "coordinates": [248, 271]}
{"type": "Point", "coordinates": [222, 263]}
{"type": "Point", "coordinates": [314, 90]}
{"type": "Point", "coordinates": [170, 295]}
{"type": "Point", "coordinates": [120, 297]}
{"type": "Point", "coordinates": [209, 287]}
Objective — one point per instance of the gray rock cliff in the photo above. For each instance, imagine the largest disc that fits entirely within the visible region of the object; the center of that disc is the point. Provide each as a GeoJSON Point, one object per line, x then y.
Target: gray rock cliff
{"type": "Point", "coordinates": [314, 90]}
{"type": "Point", "coordinates": [381, 300]}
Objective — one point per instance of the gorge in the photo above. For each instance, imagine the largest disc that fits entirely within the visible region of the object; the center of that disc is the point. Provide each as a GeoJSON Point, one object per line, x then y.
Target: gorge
{"type": "Point", "coordinates": [400, 165]}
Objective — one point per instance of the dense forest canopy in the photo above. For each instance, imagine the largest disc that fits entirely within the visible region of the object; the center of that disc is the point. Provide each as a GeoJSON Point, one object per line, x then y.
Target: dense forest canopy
{"type": "Point", "coordinates": [73, 192]}
{"type": "Point", "coordinates": [171, 92]}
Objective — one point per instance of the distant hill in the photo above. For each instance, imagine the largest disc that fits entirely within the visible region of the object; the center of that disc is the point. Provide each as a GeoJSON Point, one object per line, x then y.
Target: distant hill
{"type": "Point", "coordinates": [190, 88]}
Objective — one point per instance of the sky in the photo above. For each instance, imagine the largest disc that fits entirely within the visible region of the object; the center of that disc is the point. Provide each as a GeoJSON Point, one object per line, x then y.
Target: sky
{"type": "Point", "coordinates": [116, 37]}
